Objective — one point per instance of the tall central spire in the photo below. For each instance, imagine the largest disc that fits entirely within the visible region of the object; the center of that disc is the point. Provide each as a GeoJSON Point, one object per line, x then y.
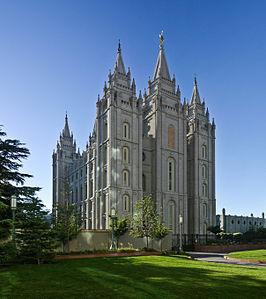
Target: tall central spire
{"type": "Point", "coordinates": [119, 64]}
{"type": "Point", "coordinates": [161, 69]}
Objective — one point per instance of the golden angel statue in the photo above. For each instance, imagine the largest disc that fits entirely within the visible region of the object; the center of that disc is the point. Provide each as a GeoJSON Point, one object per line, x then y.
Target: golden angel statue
{"type": "Point", "coordinates": [161, 37]}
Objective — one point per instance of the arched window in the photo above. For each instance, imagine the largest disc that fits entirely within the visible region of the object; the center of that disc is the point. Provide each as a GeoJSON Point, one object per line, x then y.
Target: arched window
{"type": "Point", "coordinates": [171, 136]}
{"type": "Point", "coordinates": [204, 189]}
{"type": "Point", "coordinates": [204, 171]}
{"type": "Point", "coordinates": [143, 182]}
{"type": "Point", "coordinates": [204, 152]}
{"type": "Point", "coordinates": [126, 203]}
{"type": "Point", "coordinates": [171, 174]}
{"type": "Point", "coordinates": [204, 207]}
{"type": "Point", "coordinates": [171, 215]}
{"type": "Point", "coordinates": [125, 178]}
{"type": "Point", "coordinates": [105, 129]}
{"type": "Point", "coordinates": [126, 130]}
{"type": "Point", "coordinates": [125, 154]}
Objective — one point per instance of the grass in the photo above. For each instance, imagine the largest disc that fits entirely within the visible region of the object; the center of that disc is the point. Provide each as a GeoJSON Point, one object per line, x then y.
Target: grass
{"type": "Point", "coordinates": [132, 277]}
{"type": "Point", "coordinates": [250, 255]}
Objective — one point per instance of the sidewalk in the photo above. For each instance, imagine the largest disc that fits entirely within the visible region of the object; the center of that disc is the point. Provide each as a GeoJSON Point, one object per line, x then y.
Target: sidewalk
{"type": "Point", "coordinates": [214, 257]}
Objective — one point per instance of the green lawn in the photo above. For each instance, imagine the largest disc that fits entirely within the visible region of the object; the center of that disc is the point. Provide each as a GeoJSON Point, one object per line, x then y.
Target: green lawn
{"type": "Point", "coordinates": [132, 277]}
{"type": "Point", "coordinates": [251, 254]}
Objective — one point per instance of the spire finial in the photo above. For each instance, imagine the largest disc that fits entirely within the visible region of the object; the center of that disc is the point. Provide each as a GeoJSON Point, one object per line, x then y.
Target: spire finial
{"type": "Point", "coordinates": [195, 79]}
{"type": "Point", "coordinates": [161, 39]}
{"type": "Point", "coordinates": [119, 46]}
{"type": "Point", "coordinates": [66, 114]}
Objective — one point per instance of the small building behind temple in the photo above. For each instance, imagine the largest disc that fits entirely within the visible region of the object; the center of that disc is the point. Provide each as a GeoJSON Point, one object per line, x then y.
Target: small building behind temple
{"type": "Point", "coordinates": [235, 224]}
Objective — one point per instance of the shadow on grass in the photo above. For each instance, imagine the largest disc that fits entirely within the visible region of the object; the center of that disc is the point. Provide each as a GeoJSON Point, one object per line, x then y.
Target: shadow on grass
{"type": "Point", "coordinates": [138, 277]}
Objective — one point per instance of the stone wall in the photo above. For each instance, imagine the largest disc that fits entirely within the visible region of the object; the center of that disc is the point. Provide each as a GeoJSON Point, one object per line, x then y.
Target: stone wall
{"type": "Point", "coordinates": [92, 239]}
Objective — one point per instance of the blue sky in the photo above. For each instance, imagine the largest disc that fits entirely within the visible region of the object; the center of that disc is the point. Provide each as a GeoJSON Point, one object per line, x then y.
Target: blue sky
{"type": "Point", "coordinates": [55, 56]}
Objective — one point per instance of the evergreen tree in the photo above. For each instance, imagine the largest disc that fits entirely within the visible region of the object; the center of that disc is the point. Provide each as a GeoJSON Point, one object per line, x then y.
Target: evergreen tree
{"type": "Point", "coordinates": [145, 219]}
{"type": "Point", "coordinates": [12, 152]}
{"type": "Point", "coordinates": [35, 239]}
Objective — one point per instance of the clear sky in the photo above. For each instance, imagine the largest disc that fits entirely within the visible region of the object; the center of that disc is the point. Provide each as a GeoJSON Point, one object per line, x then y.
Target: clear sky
{"type": "Point", "coordinates": [55, 56]}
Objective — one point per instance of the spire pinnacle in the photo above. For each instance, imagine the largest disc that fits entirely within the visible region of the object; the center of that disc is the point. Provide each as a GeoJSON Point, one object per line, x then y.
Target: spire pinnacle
{"type": "Point", "coordinates": [66, 131]}
{"type": "Point", "coordinates": [119, 47]}
{"type": "Point", "coordinates": [195, 98]}
{"type": "Point", "coordinates": [119, 64]}
{"type": "Point", "coordinates": [161, 69]}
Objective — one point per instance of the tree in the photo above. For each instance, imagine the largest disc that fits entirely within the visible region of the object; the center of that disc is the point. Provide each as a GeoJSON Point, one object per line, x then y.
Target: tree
{"type": "Point", "coordinates": [67, 222]}
{"type": "Point", "coordinates": [7, 250]}
{"type": "Point", "coordinates": [12, 152]}
{"type": "Point", "coordinates": [160, 233]}
{"type": "Point", "coordinates": [35, 239]}
{"type": "Point", "coordinates": [214, 229]}
{"type": "Point", "coordinates": [145, 219]}
{"type": "Point", "coordinates": [120, 228]}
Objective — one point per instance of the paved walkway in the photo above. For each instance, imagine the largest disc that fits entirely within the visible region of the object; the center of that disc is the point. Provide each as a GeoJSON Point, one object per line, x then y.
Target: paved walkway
{"type": "Point", "coordinates": [214, 257]}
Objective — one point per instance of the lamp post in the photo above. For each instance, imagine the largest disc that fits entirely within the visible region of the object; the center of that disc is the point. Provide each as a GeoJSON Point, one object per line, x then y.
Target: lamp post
{"type": "Point", "coordinates": [180, 233]}
{"type": "Point", "coordinates": [112, 218]}
{"type": "Point", "coordinates": [13, 208]}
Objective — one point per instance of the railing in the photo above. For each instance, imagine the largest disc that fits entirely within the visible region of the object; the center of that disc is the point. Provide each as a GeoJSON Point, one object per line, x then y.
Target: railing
{"type": "Point", "coordinates": [189, 240]}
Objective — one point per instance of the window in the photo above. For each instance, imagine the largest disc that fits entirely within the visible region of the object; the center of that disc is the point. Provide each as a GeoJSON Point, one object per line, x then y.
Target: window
{"type": "Point", "coordinates": [204, 152]}
{"type": "Point", "coordinates": [126, 203]}
{"type": "Point", "coordinates": [126, 130]}
{"type": "Point", "coordinates": [105, 129]}
{"type": "Point", "coordinates": [232, 221]}
{"type": "Point", "coordinates": [204, 189]}
{"type": "Point", "coordinates": [171, 136]}
{"type": "Point", "coordinates": [91, 188]}
{"type": "Point", "coordinates": [204, 210]}
{"type": "Point", "coordinates": [104, 155]}
{"type": "Point", "coordinates": [171, 174]}
{"type": "Point", "coordinates": [125, 178]}
{"type": "Point", "coordinates": [143, 182]}
{"type": "Point", "coordinates": [171, 215]}
{"type": "Point", "coordinates": [104, 178]}
{"type": "Point", "coordinates": [204, 171]}
{"type": "Point", "coordinates": [125, 154]}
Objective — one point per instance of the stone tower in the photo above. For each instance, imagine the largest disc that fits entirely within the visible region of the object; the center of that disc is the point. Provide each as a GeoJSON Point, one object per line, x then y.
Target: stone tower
{"type": "Point", "coordinates": [165, 123]}
{"type": "Point", "coordinates": [115, 149]}
{"type": "Point", "coordinates": [201, 166]}
{"type": "Point", "coordinates": [62, 163]}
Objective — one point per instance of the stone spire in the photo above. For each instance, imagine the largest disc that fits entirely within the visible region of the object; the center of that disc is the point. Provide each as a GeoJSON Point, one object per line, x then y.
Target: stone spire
{"type": "Point", "coordinates": [195, 98]}
{"type": "Point", "coordinates": [119, 64]}
{"type": "Point", "coordinates": [66, 132]}
{"type": "Point", "coordinates": [161, 69]}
